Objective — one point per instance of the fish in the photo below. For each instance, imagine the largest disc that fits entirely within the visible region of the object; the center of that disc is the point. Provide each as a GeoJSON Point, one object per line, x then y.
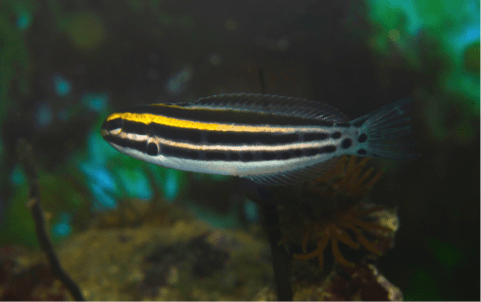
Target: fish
{"type": "Point", "coordinates": [269, 139]}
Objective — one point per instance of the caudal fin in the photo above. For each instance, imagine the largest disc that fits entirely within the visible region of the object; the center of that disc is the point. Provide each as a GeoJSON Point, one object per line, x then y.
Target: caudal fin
{"type": "Point", "coordinates": [386, 132]}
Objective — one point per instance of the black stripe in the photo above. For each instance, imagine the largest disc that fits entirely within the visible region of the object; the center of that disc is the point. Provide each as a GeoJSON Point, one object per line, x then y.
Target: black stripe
{"type": "Point", "coordinates": [227, 116]}
{"type": "Point", "coordinates": [241, 156]}
{"type": "Point", "coordinates": [186, 135]}
{"type": "Point", "coordinates": [127, 143]}
{"type": "Point", "coordinates": [242, 138]}
{"type": "Point", "coordinates": [315, 136]}
{"type": "Point", "coordinates": [181, 152]}
{"type": "Point", "coordinates": [135, 127]}
{"type": "Point", "coordinates": [172, 133]}
{"type": "Point", "coordinates": [112, 124]}
{"type": "Point", "coordinates": [336, 135]}
{"type": "Point", "coordinates": [344, 125]}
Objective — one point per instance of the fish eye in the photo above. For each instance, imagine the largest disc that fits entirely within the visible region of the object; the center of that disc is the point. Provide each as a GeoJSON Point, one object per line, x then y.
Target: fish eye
{"type": "Point", "coordinates": [113, 126]}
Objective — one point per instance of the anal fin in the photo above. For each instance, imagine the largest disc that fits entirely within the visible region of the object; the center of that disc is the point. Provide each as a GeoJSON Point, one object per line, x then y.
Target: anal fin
{"type": "Point", "coordinates": [293, 177]}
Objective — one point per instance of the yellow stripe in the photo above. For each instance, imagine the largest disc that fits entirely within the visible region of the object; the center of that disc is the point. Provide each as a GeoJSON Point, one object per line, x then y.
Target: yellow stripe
{"type": "Point", "coordinates": [147, 118]}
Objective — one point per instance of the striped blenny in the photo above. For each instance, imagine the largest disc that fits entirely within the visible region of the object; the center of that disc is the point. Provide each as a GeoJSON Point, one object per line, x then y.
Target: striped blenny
{"type": "Point", "coordinates": [272, 140]}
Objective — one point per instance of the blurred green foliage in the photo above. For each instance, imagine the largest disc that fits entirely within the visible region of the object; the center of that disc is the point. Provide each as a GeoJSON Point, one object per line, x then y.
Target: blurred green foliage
{"type": "Point", "coordinates": [452, 24]}
{"type": "Point", "coordinates": [59, 192]}
{"type": "Point", "coordinates": [15, 62]}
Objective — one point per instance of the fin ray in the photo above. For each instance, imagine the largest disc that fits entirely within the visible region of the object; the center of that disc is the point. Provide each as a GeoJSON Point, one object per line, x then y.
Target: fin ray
{"type": "Point", "coordinates": [383, 139]}
{"type": "Point", "coordinates": [293, 177]}
{"type": "Point", "coordinates": [270, 104]}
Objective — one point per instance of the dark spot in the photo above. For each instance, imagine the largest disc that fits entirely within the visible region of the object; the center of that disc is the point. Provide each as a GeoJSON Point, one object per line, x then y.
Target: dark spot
{"type": "Point", "coordinates": [298, 153]}
{"type": "Point", "coordinates": [112, 124]}
{"type": "Point", "coordinates": [336, 135]}
{"type": "Point", "coordinates": [152, 149]}
{"type": "Point", "coordinates": [315, 136]}
{"type": "Point", "coordinates": [362, 138]}
{"type": "Point", "coordinates": [248, 156]}
{"type": "Point", "coordinates": [285, 155]}
{"type": "Point", "coordinates": [359, 123]}
{"type": "Point", "coordinates": [215, 155]}
{"type": "Point", "coordinates": [361, 151]}
{"type": "Point", "coordinates": [311, 152]}
{"type": "Point", "coordinates": [346, 143]}
{"type": "Point", "coordinates": [268, 155]}
{"type": "Point", "coordinates": [234, 156]}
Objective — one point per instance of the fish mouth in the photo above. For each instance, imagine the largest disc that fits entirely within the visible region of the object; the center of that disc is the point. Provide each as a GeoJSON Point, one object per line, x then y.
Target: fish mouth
{"type": "Point", "coordinates": [111, 126]}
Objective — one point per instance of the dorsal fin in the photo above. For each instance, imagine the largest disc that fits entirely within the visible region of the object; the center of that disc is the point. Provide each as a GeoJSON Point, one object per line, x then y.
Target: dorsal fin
{"type": "Point", "coordinates": [293, 177]}
{"type": "Point", "coordinates": [270, 104]}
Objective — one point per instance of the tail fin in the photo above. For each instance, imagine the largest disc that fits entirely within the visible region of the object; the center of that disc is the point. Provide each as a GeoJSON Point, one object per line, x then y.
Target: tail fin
{"type": "Point", "coordinates": [385, 132]}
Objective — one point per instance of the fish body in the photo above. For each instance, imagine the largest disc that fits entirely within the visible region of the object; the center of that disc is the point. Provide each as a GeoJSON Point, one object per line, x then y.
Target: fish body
{"type": "Point", "coordinates": [272, 140]}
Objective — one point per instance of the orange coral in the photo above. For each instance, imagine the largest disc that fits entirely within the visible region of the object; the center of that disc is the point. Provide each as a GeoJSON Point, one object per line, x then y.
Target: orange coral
{"type": "Point", "coordinates": [334, 230]}
{"type": "Point", "coordinates": [345, 184]}
{"type": "Point", "coordinates": [346, 176]}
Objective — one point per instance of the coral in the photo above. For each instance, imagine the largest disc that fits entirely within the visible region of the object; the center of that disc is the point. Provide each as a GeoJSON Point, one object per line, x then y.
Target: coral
{"type": "Point", "coordinates": [348, 177]}
{"type": "Point", "coordinates": [332, 212]}
{"type": "Point", "coordinates": [334, 230]}
{"type": "Point", "coordinates": [360, 283]}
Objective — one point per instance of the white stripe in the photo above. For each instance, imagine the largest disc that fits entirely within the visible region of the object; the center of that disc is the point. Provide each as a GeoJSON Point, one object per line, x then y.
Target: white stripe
{"type": "Point", "coordinates": [293, 146]}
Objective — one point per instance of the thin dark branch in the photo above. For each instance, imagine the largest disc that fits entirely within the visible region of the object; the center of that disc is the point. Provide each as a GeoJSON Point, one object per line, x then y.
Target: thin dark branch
{"type": "Point", "coordinates": [24, 151]}
{"type": "Point", "coordinates": [280, 259]}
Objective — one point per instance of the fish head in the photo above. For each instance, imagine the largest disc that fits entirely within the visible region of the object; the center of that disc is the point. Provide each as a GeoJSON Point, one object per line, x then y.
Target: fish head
{"type": "Point", "coordinates": [112, 125]}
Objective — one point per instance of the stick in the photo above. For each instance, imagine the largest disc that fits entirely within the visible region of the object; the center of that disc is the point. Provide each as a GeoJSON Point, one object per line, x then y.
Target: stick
{"type": "Point", "coordinates": [280, 260]}
{"type": "Point", "coordinates": [24, 151]}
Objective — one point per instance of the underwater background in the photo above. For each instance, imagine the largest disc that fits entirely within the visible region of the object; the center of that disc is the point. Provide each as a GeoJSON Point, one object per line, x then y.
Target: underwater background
{"type": "Point", "coordinates": [65, 65]}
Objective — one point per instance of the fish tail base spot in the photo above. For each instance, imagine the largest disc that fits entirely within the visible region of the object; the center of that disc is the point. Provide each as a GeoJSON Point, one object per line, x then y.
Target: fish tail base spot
{"type": "Point", "coordinates": [385, 133]}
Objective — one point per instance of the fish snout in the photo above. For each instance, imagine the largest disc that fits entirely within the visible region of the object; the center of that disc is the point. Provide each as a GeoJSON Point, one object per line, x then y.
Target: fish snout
{"type": "Point", "coordinates": [112, 126]}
